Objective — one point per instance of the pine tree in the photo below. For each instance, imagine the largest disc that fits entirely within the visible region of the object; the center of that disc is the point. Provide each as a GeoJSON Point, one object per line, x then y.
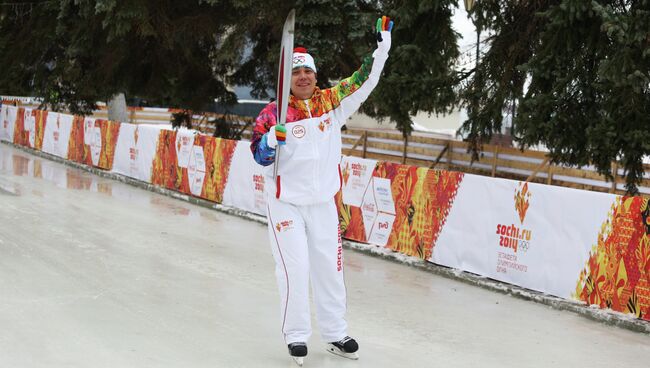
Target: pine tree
{"type": "Point", "coordinates": [573, 73]}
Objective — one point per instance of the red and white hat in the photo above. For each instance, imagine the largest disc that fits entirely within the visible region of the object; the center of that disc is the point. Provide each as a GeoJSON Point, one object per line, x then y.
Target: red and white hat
{"type": "Point", "coordinates": [302, 59]}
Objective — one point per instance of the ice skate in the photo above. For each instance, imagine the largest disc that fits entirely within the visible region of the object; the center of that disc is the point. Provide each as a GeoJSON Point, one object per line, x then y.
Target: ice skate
{"type": "Point", "coordinates": [298, 351]}
{"type": "Point", "coordinates": [346, 348]}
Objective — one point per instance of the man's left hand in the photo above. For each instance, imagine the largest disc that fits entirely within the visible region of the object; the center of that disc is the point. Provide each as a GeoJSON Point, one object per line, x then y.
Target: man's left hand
{"type": "Point", "coordinates": [384, 27]}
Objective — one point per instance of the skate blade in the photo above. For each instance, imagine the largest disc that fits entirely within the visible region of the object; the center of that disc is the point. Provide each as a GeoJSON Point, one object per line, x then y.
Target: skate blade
{"type": "Point", "coordinates": [298, 360]}
{"type": "Point", "coordinates": [334, 350]}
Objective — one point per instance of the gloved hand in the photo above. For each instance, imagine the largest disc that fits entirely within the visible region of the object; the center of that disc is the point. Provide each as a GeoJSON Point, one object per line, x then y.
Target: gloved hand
{"type": "Point", "coordinates": [384, 27]}
{"type": "Point", "coordinates": [276, 136]}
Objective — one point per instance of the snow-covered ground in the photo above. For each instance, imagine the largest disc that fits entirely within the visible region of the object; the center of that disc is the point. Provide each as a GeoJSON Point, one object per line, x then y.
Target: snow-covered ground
{"type": "Point", "coordinates": [97, 273]}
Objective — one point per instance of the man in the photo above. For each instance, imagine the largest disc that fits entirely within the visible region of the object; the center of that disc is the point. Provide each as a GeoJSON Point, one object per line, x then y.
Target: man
{"type": "Point", "coordinates": [302, 215]}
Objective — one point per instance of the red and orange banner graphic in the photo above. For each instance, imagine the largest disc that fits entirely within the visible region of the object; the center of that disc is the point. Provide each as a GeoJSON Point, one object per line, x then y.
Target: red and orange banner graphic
{"type": "Point", "coordinates": [21, 135]}
{"type": "Point", "coordinates": [422, 199]}
{"type": "Point", "coordinates": [617, 274]}
{"type": "Point", "coordinates": [41, 121]}
{"type": "Point", "coordinates": [78, 151]}
{"type": "Point", "coordinates": [193, 165]}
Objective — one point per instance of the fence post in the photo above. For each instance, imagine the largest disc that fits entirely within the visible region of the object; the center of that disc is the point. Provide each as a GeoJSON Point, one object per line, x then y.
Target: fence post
{"type": "Point", "coordinates": [540, 167]}
{"type": "Point", "coordinates": [450, 148]}
{"type": "Point", "coordinates": [361, 138]}
{"type": "Point", "coordinates": [406, 142]}
{"type": "Point", "coordinates": [365, 143]}
{"type": "Point", "coordinates": [549, 178]}
{"type": "Point", "coordinates": [495, 157]}
{"type": "Point", "coordinates": [437, 160]}
{"type": "Point", "coordinates": [614, 174]}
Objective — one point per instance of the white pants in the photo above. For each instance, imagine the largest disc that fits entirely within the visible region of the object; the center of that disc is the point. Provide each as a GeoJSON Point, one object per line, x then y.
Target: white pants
{"type": "Point", "coordinates": [306, 243]}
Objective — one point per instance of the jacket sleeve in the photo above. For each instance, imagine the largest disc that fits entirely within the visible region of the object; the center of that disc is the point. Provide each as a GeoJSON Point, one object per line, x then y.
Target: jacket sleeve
{"type": "Point", "coordinates": [348, 95]}
{"type": "Point", "coordinates": [262, 153]}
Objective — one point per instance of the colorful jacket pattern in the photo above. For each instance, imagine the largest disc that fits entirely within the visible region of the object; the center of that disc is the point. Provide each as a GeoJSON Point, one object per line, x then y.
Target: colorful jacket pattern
{"type": "Point", "coordinates": [308, 169]}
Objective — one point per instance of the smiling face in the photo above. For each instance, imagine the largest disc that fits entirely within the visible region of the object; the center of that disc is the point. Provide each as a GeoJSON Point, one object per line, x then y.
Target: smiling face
{"type": "Point", "coordinates": [303, 83]}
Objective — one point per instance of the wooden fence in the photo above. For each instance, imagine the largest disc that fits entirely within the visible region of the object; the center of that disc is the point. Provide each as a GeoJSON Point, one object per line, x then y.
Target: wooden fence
{"type": "Point", "coordinates": [495, 161]}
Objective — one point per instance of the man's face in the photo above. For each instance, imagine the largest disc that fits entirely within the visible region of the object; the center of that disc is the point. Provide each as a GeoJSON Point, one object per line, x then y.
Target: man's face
{"type": "Point", "coordinates": [303, 83]}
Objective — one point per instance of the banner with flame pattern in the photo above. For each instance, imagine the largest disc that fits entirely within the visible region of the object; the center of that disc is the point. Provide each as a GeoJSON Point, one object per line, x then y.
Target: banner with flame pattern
{"type": "Point", "coordinates": [218, 155]}
{"type": "Point", "coordinates": [617, 273]}
{"type": "Point", "coordinates": [109, 132]}
{"type": "Point", "coordinates": [93, 141]}
{"type": "Point", "coordinates": [56, 134]}
{"type": "Point", "coordinates": [78, 151]}
{"type": "Point", "coordinates": [41, 120]}
{"type": "Point", "coordinates": [165, 170]}
{"type": "Point", "coordinates": [245, 188]}
{"type": "Point", "coordinates": [201, 169]}
{"type": "Point", "coordinates": [532, 235]}
{"type": "Point", "coordinates": [422, 199]}
{"type": "Point", "coordinates": [135, 151]}
{"type": "Point", "coordinates": [21, 136]}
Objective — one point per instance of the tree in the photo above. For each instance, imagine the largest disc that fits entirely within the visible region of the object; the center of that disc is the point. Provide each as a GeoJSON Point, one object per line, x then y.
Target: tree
{"type": "Point", "coordinates": [76, 52]}
{"type": "Point", "coordinates": [185, 54]}
{"type": "Point", "coordinates": [420, 74]}
{"type": "Point", "coordinates": [574, 75]}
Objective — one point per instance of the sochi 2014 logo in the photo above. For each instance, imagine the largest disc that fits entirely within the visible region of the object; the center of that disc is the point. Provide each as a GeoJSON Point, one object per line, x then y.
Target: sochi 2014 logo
{"type": "Point", "coordinates": [325, 124]}
{"type": "Point", "coordinates": [522, 201]}
{"type": "Point", "coordinates": [284, 225]}
{"type": "Point", "coordinates": [512, 236]}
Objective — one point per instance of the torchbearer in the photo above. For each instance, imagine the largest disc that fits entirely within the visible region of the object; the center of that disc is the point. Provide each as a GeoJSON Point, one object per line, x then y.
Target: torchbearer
{"type": "Point", "coordinates": [303, 222]}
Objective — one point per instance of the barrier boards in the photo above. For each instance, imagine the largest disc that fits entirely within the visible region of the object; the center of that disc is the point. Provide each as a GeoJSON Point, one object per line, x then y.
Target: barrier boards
{"type": "Point", "coordinates": [574, 244]}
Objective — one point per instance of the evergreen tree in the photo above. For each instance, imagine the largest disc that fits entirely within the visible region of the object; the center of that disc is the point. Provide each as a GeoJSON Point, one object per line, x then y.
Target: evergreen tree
{"type": "Point", "coordinates": [589, 97]}
{"type": "Point", "coordinates": [575, 76]}
{"type": "Point", "coordinates": [420, 74]}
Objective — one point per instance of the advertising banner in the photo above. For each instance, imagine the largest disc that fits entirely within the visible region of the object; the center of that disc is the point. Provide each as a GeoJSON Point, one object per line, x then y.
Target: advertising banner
{"type": "Point", "coordinates": [184, 143]}
{"type": "Point", "coordinates": [574, 244]}
{"type": "Point", "coordinates": [356, 173]}
{"type": "Point", "coordinates": [531, 235]}
{"type": "Point", "coordinates": [30, 127]}
{"type": "Point", "coordinates": [93, 135]}
{"type": "Point", "coordinates": [245, 187]}
{"type": "Point", "coordinates": [4, 124]}
{"type": "Point", "coordinates": [172, 159]}
{"type": "Point", "coordinates": [93, 141]}
{"type": "Point", "coordinates": [20, 136]}
{"type": "Point", "coordinates": [196, 170]}
{"type": "Point", "coordinates": [403, 207]}
{"type": "Point", "coordinates": [194, 164]}
{"type": "Point", "coordinates": [57, 134]}
{"type": "Point", "coordinates": [209, 166]}
{"type": "Point", "coordinates": [135, 150]}
{"type": "Point", "coordinates": [40, 121]}
{"type": "Point", "coordinates": [78, 149]}
{"type": "Point", "coordinates": [617, 272]}
{"type": "Point", "coordinates": [25, 128]}
{"type": "Point", "coordinates": [166, 171]}
{"type": "Point", "coordinates": [8, 117]}
{"type": "Point", "coordinates": [103, 140]}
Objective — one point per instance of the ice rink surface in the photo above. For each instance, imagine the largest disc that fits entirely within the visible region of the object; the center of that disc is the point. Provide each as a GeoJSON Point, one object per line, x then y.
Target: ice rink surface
{"type": "Point", "coordinates": [97, 273]}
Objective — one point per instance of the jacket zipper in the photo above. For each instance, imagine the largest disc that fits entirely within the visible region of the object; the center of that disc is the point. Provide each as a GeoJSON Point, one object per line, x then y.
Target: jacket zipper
{"type": "Point", "coordinates": [314, 150]}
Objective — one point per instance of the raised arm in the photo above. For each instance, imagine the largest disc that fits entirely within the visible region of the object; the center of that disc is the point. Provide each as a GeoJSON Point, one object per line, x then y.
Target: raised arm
{"type": "Point", "coordinates": [348, 95]}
